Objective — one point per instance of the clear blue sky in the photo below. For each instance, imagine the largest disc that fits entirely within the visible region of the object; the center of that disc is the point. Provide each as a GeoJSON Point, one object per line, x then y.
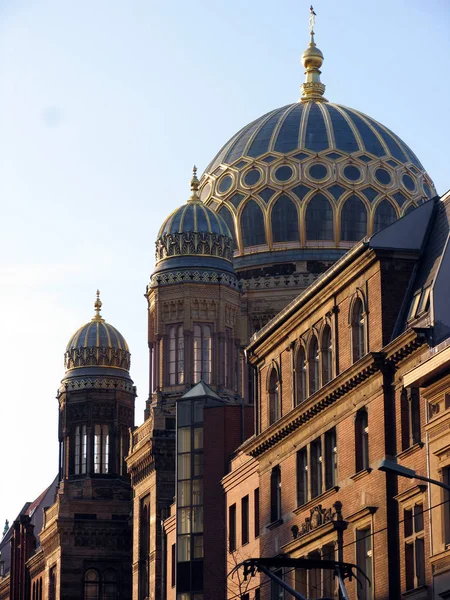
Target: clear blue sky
{"type": "Point", "coordinates": [104, 108]}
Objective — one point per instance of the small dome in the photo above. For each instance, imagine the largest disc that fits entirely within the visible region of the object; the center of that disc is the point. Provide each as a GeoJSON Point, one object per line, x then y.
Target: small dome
{"type": "Point", "coordinates": [194, 242]}
{"type": "Point", "coordinates": [97, 345]}
{"type": "Point", "coordinates": [194, 216]}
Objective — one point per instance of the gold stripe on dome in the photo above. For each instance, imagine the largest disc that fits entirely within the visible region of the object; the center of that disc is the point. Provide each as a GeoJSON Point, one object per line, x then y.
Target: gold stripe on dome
{"type": "Point", "coordinates": [97, 337]}
{"type": "Point", "coordinates": [303, 124]}
{"type": "Point", "coordinates": [353, 127]}
{"type": "Point", "coordinates": [109, 337]}
{"type": "Point", "coordinates": [276, 129]}
{"type": "Point", "coordinates": [86, 334]}
{"type": "Point", "coordinates": [257, 130]}
{"type": "Point", "coordinates": [372, 129]}
{"type": "Point", "coordinates": [328, 125]}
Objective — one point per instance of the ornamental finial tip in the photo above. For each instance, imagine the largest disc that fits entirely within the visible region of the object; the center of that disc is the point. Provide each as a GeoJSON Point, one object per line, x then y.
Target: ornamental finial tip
{"type": "Point", "coordinates": [194, 185]}
{"type": "Point", "coordinates": [312, 59]}
{"type": "Point", "coordinates": [97, 306]}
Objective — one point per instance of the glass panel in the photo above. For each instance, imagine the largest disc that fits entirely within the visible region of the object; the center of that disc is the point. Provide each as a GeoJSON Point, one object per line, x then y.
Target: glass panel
{"type": "Point", "coordinates": [105, 448]}
{"type": "Point", "coordinates": [197, 491]}
{"type": "Point", "coordinates": [198, 465]}
{"type": "Point", "coordinates": [77, 449]}
{"type": "Point", "coordinates": [197, 519]}
{"type": "Point", "coordinates": [198, 438]}
{"type": "Point", "coordinates": [184, 548]}
{"type": "Point", "coordinates": [184, 520]}
{"type": "Point", "coordinates": [184, 413]}
{"type": "Point", "coordinates": [184, 466]}
{"type": "Point", "coordinates": [97, 449]}
{"type": "Point", "coordinates": [418, 518]}
{"type": "Point", "coordinates": [353, 220]}
{"type": "Point", "coordinates": [184, 440]}
{"type": "Point", "coordinates": [198, 552]}
{"type": "Point", "coordinates": [184, 493]}
{"type": "Point", "coordinates": [198, 411]}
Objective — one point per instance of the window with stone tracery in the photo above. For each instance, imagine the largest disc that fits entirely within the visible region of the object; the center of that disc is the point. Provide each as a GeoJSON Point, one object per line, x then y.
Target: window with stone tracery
{"type": "Point", "coordinates": [176, 355]}
{"type": "Point", "coordinates": [101, 449]}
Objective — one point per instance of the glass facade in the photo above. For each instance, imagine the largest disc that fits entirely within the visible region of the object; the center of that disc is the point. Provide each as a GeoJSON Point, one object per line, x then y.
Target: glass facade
{"type": "Point", "coordinates": [189, 498]}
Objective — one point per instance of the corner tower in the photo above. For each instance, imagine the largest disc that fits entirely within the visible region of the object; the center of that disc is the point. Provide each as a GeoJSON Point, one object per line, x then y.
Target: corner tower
{"type": "Point", "coordinates": [87, 532]}
{"type": "Point", "coordinates": [194, 336]}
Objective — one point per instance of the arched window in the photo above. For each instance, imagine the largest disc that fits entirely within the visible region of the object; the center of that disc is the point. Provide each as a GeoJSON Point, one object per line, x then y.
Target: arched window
{"type": "Point", "coordinates": [353, 220]}
{"type": "Point", "coordinates": [80, 449]}
{"type": "Point", "coordinates": [284, 221]}
{"type": "Point", "coordinates": [384, 215]}
{"type": "Point", "coordinates": [252, 225]}
{"type": "Point", "coordinates": [300, 375]}
{"type": "Point", "coordinates": [313, 365]}
{"type": "Point", "coordinates": [327, 355]}
{"type": "Point", "coordinates": [274, 397]}
{"type": "Point", "coordinates": [362, 440]}
{"type": "Point", "coordinates": [229, 220]}
{"type": "Point", "coordinates": [52, 584]}
{"type": "Point", "coordinates": [176, 354]}
{"type": "Point", "coordinates": [202, 353]}
{"type": "Point", "coordinates": [101, 449]}
{"type": "Point", "coordinates": [319, 219]}
{"type": "Point", "coordinates": [91, 585]}
{"type": "Point", "coordinates": [109, 587]}
{"type": "Point", "coordinates": [40, 589]}
{"type": "Point", "coordinates": [358, 330]}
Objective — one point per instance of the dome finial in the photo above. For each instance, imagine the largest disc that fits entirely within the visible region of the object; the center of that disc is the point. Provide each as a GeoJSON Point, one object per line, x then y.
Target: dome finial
{"type": "Point", "coordinates": [97, 306]}
{"type": "Point", "coordinates": [312, 59]}
{"type": "Point", "coordinates": [194, 186]}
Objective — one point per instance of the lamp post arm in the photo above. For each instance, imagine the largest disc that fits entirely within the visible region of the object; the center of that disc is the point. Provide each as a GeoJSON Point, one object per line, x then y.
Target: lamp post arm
{"type": "Point", "coordinates": [433, 481]}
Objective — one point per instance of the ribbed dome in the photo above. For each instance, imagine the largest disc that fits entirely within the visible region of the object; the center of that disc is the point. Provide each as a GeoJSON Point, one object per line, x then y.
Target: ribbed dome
{"type": "Point", "coordinates": [315, 127]}
{"type": "Point", "coordinates": [96, 344]}
{"type": "Point", "coordinates": [194, 216]}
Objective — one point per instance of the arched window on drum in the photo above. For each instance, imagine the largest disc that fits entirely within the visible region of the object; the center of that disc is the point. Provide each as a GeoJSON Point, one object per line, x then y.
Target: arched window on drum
{"type": "Point", "coordinates": [384, 215]}
{"type": "Point", "coordinates": [284, 220]}
{"type": "Point", "coordinates": [252, 225]}
{"type": "Point", "coordinates": [319, 219]}
{"type": "Point", "coordinates": [353, 220]}
{"type": "Point", "coordinates": [229, 220]}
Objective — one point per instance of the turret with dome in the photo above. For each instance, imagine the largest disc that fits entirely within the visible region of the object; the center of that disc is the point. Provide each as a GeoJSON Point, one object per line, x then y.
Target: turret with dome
{"type": "Point", "coordinates": [306, 181]}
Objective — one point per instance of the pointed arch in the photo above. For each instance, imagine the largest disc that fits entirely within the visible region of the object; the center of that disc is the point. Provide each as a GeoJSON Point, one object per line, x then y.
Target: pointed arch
{"type": "Point", "coordinates": [284, 220]}
{"type": "Point", "coordinates": [319, 219]}
{"type": "Point", "coordinates": [358, 327]}
{"type": "Point", "coordinates": [353, 219]}
{"type": "Point", "coordinates": [274, 396]}
{"type": "Point", "coordinates": [226, 215]}
{"type": "Point", "coordinates": [252, 225]}
{"type": "Point", "coordinates": [300, 375]}
{"type": "Point", "coordinates": [313, 365]}
{"type": "Point", "coordinates": [385, 214]}
{"type": "Point", "coordinates": [327, 355]}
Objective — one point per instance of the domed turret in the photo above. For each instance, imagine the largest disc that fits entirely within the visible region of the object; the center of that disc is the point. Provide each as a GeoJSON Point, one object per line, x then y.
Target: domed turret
{"type": "Point", "coordinates": [194, 241]}
{"type": "Point", "coordinates": [97, 349]}
{"type": "Point", "coordinates": [306, 181]}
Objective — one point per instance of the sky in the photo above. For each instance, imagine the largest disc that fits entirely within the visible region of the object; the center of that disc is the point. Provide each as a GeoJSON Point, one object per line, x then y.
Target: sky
{"type": "Point", "coordinates": [104, 108]}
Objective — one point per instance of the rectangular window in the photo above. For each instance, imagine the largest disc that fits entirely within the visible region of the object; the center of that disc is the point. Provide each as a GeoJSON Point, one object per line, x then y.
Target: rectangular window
{"type": "Point", "coordinates": [244, 520]}
{"type": "Point", "coordinates": [364, 561]}
{"type": "Point", "coordinates": [144, 546]}
{"type": "Point", "coordinates": [446, 506]}
{"type": "Point", "coordinates": [316, 468]}
{"type": "Point", "coordinates": [277, 592]}
{"type": "Point", "coordinates": [173, 565]}
{"type": "Point", "coordinates": [202, 353]}
{"type": "Point", "coordinates": [257, 594]}
{"type": "Point", "coordinates": [232, 528]}
{"type": "Point", "coordinates": [256, 508]}
{"type": "Point", "coordinates": [330, 459]}
{"type": "Point", "coordinates": [302, 477]}
{"type": "Point", "coordinates": [275, 494]}
{"type": "Point", "coordinates": [410, 417]}
{"type": "Point", "coordinates": [361, 440]}
{"type": "Point", "coordinates": [414, 546]}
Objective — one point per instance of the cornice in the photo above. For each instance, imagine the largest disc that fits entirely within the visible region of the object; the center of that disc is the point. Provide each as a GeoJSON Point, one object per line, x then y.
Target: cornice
{"type": "Point", "coordinates": [316, 404]}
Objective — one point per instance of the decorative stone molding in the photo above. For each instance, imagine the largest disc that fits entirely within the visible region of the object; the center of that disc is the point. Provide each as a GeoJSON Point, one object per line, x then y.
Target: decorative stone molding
{"type": "Point", "coordinates": [79, 384]}
{"type": "Point", "coordinates": [197, 276]}
{"type": "Point", "coordinates": [194, 243]}
{"type": "Point", "coordinates": [97, 357]}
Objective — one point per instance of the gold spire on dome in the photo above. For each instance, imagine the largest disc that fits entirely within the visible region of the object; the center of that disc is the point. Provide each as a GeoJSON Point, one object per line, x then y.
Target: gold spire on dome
{"type": "Point", "coordinates": [194, 186]}
{"type": "Point", "coordinates": [312, 59]}
{"type": "Point", "coordinates": [97, 306]}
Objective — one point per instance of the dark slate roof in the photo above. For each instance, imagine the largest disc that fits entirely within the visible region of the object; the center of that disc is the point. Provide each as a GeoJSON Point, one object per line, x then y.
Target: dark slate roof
{"type": "Point", "coordinates": [97, 334]}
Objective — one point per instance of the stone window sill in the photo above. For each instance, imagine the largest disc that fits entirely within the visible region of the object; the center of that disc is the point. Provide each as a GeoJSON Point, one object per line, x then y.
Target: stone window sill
{"type": "Point", "coordinates": [415, 592]}
{"type": "Point", "coordinates": [317, 500]}
{"type": "Point", "coordinates": [410, 450]}
{"type": "Point", "coordinates": [361, 474]}
{"type": "Point", "coordinates": [274, 524]}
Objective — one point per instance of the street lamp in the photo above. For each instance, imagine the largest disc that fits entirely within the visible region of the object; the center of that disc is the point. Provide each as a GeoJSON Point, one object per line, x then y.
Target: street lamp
{"type": "Point", "coordinates": [390, 466]}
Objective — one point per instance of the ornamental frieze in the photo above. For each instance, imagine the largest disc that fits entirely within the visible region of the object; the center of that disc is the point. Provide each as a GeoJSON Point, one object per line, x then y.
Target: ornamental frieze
{"type": "Point", "coordinates": [318, 516]}
{"type": "Point", "coordinates": [97, 356]}
{"type": "Point", "coordinates": [191, 243]}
